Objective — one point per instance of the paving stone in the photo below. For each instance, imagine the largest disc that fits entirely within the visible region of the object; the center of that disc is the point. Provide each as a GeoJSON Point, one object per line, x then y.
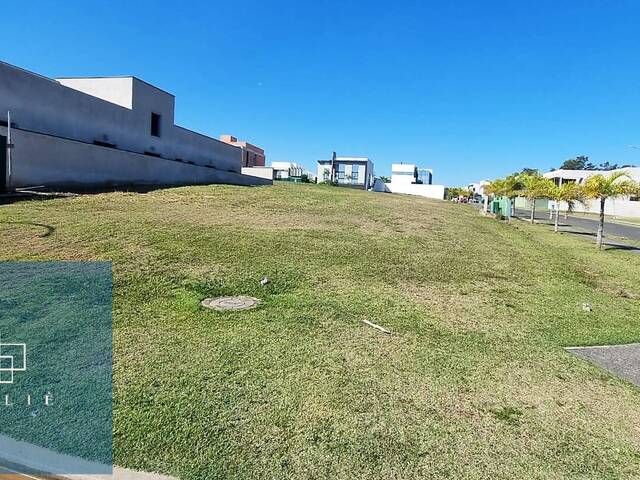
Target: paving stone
{"type": "Point", "coordinates": [622, 360]}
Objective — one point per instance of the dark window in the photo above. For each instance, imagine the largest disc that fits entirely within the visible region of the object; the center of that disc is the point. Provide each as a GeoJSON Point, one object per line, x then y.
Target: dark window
{"type": "Point", "coordinates": [635, 199]}
{"type": "Point", "coordinates": [155, 124]}
{"type": "Point", "coordinates": [354, 173]}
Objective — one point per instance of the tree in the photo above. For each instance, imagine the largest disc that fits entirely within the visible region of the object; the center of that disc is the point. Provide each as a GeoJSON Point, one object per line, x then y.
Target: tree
{"type": "Point", "coordinates": [455, 192]}
{"type": "Point", "coordinates": [492, 189]}
{"type": "Point", "coordinates": [512, 187]}
{"type": "Point", "coordinates": [384, 179]}
{"type": "Point", "coordinates": [505, 187]}
{"type": "Point", "coordinates": [570, 193]}
{"type": "Point", "coordinates": [578, 163]}
{"type": "Point", "coordinates": [533, 187]}
{"type": "Point", "coordinates": [582, 163]}
{"type": "Point", "coordinates": [601, 187]}
{"type": "Point", "coordinates": [606, 166]}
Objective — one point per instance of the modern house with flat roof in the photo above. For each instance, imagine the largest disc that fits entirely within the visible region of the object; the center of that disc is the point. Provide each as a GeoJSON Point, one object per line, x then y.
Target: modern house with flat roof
{"type": "Point", "coordinates": [354, 172]}
{"type": "Point", "coordinates": [407, 178]}
{"type": "Point", "coordinates": [101, 132]}
{"type": "Point", "coordinates": [622, 207]}
{"type": "Point", "coordinates": [287, 171]}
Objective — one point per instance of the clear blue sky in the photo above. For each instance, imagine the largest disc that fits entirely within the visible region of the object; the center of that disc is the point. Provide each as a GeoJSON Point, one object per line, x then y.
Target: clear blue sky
{"type": "Point", "coordinates": [473, 89]}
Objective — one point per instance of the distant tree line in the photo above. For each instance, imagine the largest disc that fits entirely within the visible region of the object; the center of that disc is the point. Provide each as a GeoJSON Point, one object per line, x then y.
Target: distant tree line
{"type": "Point", "coordinates": [582, 163]}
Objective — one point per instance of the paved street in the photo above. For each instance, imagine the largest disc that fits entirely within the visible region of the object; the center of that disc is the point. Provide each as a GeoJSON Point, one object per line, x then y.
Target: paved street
{"type": "Point", "coordinates": [589, 226]}
{"type": "Point", "coordinates": [622, 360]}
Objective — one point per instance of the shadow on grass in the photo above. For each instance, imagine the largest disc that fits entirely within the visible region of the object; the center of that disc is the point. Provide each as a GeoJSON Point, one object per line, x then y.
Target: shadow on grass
{"type": "Point", "coordinates": [17, 197]}
{"type": "Point", "coordinates": [48, 229]}
{"type": "Point", "coordinates": [42, 193]}
{"type": "Point", "coordinates": [610, 245]}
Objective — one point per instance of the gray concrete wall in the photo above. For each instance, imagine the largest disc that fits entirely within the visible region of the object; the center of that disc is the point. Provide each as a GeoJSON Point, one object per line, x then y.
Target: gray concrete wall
{"type": "Point", "coordinates": [46, 106]}
{"type": "Point", "coordinates": [262, 172]}
{"type": "Point", "coordinates": [39, 159]}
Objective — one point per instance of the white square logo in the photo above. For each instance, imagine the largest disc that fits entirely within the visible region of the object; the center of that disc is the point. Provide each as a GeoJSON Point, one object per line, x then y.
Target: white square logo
{"type": "Point", "coordinates": [13, 358]}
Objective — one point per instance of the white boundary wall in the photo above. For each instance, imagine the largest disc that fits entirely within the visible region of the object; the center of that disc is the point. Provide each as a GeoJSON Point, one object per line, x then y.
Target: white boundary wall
{"type": "Point", "coordinates": [429, 191]}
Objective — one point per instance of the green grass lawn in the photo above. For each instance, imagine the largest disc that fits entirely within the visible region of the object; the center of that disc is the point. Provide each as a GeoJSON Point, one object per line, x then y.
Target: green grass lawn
{"type": "Point", "coordinates": [472, 383]}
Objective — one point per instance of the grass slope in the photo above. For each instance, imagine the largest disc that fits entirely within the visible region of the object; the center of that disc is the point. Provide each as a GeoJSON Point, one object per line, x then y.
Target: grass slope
{"type": "Point", "coordinates": [473, 383]}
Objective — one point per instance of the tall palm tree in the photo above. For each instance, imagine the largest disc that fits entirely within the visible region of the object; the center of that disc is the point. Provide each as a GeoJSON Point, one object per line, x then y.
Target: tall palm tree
{"type": "Point", "coordinates": [602, 188]}
{"type": "Point", "coordinates": [533, 187]}
{"type": "Point", "coordinates": [570, 193]}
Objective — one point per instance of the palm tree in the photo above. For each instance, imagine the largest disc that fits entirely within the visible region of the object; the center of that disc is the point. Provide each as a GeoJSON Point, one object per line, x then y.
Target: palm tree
{"type": "Point", "coordinates": [600, 187]}
{"type": "Point", "coordinates": [513, 187]}
{"type": "Point", "coordinates": [496, 188]}
{"type": "Point", "coordinates": [533, 187]}
{"type": "Point", "coordinates": [505, 187]}
{"type": "Point", "coordinates": [570, 193]}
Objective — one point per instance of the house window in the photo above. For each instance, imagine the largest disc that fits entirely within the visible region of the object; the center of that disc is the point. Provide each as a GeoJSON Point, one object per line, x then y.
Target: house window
{"type": "Point", "coordinates": [635, 199]}
{"type": "Point", "coordinates": [155, 124]}
{"type": "Point", "coordinates": [354, 173]}
{"type": "Point", "coordinates": [341, 171]}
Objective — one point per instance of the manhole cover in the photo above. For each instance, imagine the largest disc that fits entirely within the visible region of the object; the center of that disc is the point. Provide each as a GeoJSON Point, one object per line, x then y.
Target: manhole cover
{"type": "Point", "coordinates": [230, 303]}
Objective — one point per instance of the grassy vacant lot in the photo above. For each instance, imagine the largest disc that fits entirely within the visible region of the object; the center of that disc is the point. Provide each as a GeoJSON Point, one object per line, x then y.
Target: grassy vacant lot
{"type": "Point", "coordinates": [473, 383]}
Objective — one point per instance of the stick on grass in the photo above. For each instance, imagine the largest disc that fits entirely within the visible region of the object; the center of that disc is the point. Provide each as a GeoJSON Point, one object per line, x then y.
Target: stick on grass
{"type": "Point", "coordinates": [382, 329]}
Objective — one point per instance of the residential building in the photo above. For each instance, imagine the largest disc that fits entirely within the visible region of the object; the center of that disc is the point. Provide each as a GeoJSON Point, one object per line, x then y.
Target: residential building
{"type": "Point", "coordinates": [287, 171]}
{"type": "Point", "coordinates": [477, 189]}
{"type": "Point", "coordinates": [409, 179]}
{"type": "Point", "coordinates": [252, 156]}
{"type": "Point", "coordinates": [105, 131]}
{"type": "Point", "coordinates": [425, 176]}
{"type": "Point", "coordinates": [622, 207]}
{"type": "Point", "coordinates": [354, 172]}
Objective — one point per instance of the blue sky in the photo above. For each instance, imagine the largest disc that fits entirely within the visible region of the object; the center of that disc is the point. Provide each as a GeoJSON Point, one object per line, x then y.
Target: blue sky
{"type": "Point", "coordinates": [472, 89]}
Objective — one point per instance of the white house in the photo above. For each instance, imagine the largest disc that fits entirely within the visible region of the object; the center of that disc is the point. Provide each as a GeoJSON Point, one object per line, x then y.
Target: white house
{"type": "Point", "coordinates": [287, 170]}
{"type": "Point", "coordinates": [477, 189]}
{"type": "Point", "coordinates": [408, 179]}
{"type": "Point", "coordinates": [103, 131]}
{"type": "Point", "coordinates": [355, 172]}
{"type": "Point", "coordinates": [281, 171]}
{"type": "Point", "coordinates": [622, 207]}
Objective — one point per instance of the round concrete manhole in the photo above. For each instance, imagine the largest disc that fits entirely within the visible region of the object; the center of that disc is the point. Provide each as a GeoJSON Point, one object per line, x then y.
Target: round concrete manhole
{"type": "Point", "coordinates": [230, 303]}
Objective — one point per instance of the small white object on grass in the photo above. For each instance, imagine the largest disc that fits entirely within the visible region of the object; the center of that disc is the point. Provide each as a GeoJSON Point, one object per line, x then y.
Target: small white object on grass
{"type": "Point", "coordinates": [264, 281]}
{"type": "Point", "coordinates": [382, 329]}
{"type": "Point", "coordinates": [586, 307]}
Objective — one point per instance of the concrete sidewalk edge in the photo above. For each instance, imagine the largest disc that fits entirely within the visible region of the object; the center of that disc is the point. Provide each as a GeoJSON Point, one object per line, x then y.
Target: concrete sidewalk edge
{"type": "Point", "coordinates": [48, 462]}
